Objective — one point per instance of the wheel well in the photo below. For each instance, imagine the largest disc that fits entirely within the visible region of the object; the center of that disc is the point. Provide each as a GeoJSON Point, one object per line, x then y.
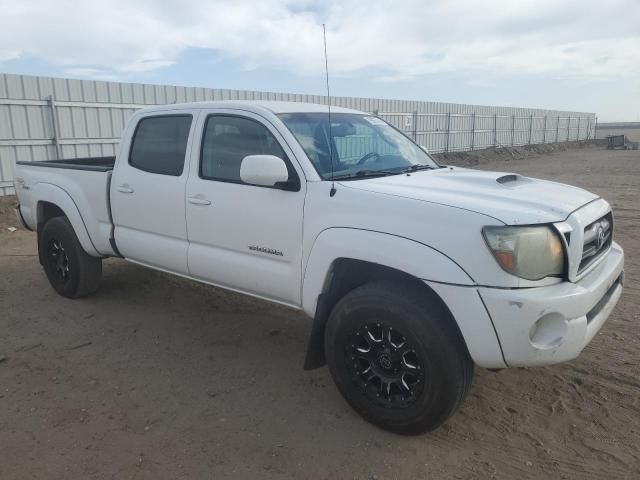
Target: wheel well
{"type": "Point", "coordinates": [45, 212]}
{"type": "Point", "coordinates": [48, 210]}
{"type": "Point", "coordinates": [345, 275]}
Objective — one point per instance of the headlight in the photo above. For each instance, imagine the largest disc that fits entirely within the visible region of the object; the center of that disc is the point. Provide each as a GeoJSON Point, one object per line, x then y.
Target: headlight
{"type": "Point", "coordinates": [531, 253]}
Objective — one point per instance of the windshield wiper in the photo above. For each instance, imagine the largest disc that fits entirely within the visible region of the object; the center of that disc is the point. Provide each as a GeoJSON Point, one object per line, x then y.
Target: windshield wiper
{"type": "Point", "coordinates": [364, 174]}
{"type": "Point", "coordinates": [415, 168]}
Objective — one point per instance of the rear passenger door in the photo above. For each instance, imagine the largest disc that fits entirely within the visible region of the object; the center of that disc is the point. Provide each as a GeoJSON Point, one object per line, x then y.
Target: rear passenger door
{"type": "Point", "coordinates": [245, 237]}
{"type": "Point", "coordinates": [148, 191]}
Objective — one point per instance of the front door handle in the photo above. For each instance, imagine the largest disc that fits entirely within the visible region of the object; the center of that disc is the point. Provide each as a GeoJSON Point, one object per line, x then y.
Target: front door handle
{"type": "Point", "coordinates": [125, 188]}
{"type": "Point", "coordinates": [199, 200]}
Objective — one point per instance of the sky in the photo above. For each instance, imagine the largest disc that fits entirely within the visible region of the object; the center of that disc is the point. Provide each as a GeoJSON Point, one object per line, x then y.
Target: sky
{"type": "Point", "coordinates": [557, 54]}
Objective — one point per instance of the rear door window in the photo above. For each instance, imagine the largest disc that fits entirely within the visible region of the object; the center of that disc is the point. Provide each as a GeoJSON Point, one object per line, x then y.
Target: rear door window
{"type": "Point", "coordinates": [160, 144]}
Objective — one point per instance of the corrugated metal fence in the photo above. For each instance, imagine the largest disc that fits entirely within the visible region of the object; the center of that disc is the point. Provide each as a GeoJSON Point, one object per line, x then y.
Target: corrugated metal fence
{"type": "Point", "coordinates": [45, 118]}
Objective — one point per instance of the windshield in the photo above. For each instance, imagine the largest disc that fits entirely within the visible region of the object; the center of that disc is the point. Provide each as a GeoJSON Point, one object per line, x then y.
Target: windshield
{"type": "Point", "coordinates": [362, 145]}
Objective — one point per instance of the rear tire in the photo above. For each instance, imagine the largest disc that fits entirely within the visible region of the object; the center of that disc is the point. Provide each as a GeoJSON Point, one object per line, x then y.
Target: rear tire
{"type": "Point", "coordinates": [70, 270]}
{"type": "Point", "coordinates": [397, 356]}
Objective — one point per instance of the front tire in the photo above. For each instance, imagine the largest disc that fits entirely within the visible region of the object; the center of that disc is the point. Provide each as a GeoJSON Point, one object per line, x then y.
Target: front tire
{"type": "Point", "coordinates": [397, 356]}
{"type": "Point", "coordinates": [70, 270]}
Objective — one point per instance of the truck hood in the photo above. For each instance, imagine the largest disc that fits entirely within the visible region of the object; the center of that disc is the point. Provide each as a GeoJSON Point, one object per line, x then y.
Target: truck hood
{"type": "Point", "coordinates": [508, 197]}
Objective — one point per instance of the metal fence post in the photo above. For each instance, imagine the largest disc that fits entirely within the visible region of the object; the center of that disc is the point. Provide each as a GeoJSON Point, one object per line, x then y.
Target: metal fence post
{"type": "Point", "coordinates": [473, 130]}
{"type": "Point", "coordinates": [544, 130]}
{"type": "Point", "coordinates": [513, 128]}
{"type": "Point", "coordinates": [415, 125]}
{"type": "Point", "coordinates": [448, 131]}
{"type": "Point", "coordinates": [54, 124]}
{"type": "Point", "coordinates": [495, 130]}
{"type": "Point", "coordinates": [558, 129]}
{"type": "Point", "coordinates": [595, 130]}
{"type": "Point", "coordinates": [587, 135]}
{"type": "Point", "coordinates": [530, 127]}
{"type": "Point", "coordinates": [578, 135]}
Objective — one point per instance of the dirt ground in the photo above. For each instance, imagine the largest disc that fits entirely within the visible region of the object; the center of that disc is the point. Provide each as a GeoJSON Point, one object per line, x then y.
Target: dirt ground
{"type": "Point", "coordinates": [157, 377]}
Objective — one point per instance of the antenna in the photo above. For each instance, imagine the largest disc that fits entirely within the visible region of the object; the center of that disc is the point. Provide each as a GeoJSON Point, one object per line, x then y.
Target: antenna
{"type": "Point", "coordinates": [332, 192]}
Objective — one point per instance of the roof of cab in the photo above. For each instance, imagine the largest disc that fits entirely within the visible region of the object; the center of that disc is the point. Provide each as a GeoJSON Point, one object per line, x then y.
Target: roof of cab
{"type": "Point", "coordinates": [272, 106]}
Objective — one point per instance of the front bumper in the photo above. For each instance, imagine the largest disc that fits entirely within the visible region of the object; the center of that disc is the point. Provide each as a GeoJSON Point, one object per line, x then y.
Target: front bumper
{"type": "Point", "coordinates": [546, 325]}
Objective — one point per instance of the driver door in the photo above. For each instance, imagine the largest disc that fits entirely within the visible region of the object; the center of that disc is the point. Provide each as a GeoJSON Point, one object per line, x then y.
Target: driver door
{"type": "Point", "coordinates": [243, 237]}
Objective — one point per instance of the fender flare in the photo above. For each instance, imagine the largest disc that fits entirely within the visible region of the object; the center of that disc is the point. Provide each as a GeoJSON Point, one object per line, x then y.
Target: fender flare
{"type": "Point", "coordinates": [400, 253]}
{"type": "Point", "coordinates": [47, 192]}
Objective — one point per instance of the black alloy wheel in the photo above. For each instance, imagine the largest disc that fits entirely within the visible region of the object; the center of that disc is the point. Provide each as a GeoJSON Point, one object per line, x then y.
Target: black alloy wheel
{"type": "Point", "coordinates": [385, 365]}
{"type": "Point", "coordinates": [58, 259]}
{"type": "Point", "coordinates": [397, 356]}
{"type": "Point", "coordinates": [70, 270]}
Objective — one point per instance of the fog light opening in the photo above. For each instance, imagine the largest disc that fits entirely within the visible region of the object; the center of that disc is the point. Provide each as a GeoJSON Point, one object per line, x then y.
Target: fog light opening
{"type": "Point", "coordinates": [549, 331]}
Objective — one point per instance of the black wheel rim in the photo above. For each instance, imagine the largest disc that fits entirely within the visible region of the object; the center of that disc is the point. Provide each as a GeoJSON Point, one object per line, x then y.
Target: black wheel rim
{"type": "Point", "coordinates": [385, 366]}
{"type": "Point", "coordinates": [58, 259]}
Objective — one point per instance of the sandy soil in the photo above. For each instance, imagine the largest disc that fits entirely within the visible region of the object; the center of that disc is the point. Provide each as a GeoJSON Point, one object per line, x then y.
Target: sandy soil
{"type": "Point", "coordinates": [156, 377]}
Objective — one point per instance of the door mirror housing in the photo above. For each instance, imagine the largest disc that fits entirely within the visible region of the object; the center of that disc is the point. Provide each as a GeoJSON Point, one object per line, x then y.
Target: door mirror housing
{"type": "Point", "coordinates": [264, 170]}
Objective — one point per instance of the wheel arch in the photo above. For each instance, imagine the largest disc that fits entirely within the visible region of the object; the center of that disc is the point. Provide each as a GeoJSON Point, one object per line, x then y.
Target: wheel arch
{"type": "Point", "coordinates": [342, 259]}
{"type": "Point", "coordinates": [52, 201]}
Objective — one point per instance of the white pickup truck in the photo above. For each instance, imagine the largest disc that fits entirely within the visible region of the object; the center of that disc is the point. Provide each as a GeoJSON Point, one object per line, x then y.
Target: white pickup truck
{"type": "Point", "coordinates": [412, 271]}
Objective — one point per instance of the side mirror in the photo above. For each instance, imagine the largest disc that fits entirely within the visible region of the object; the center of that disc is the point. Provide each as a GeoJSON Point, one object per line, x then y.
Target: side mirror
{"type": "Point", "coordinates": [263, 170]}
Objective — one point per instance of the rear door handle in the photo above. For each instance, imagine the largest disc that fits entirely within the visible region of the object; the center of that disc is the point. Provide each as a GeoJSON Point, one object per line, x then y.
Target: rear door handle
{"type": "Point", "coordinates": [125, 188]}
{"type": "Point", "coordinates": [199, 200]}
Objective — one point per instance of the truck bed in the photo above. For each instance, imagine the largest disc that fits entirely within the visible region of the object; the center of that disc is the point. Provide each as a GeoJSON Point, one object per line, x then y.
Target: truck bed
{"type": "Point", "coordinates": [94, 164]}
{"type": "Point", "coordinates": [78, 186]}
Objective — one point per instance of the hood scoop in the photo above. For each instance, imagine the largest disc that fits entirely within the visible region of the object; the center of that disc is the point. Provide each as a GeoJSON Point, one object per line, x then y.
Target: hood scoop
{"type": "Point", "coordinates": [511, 179]}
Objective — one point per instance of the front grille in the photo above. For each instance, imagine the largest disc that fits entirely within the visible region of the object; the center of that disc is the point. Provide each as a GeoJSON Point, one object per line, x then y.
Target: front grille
{"type": "Point", "coordinates": [597, 240]}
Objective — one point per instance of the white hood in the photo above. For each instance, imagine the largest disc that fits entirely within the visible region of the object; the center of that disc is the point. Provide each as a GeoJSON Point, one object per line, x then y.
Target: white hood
{"type": "Point", "coordinates": [510, 198]}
